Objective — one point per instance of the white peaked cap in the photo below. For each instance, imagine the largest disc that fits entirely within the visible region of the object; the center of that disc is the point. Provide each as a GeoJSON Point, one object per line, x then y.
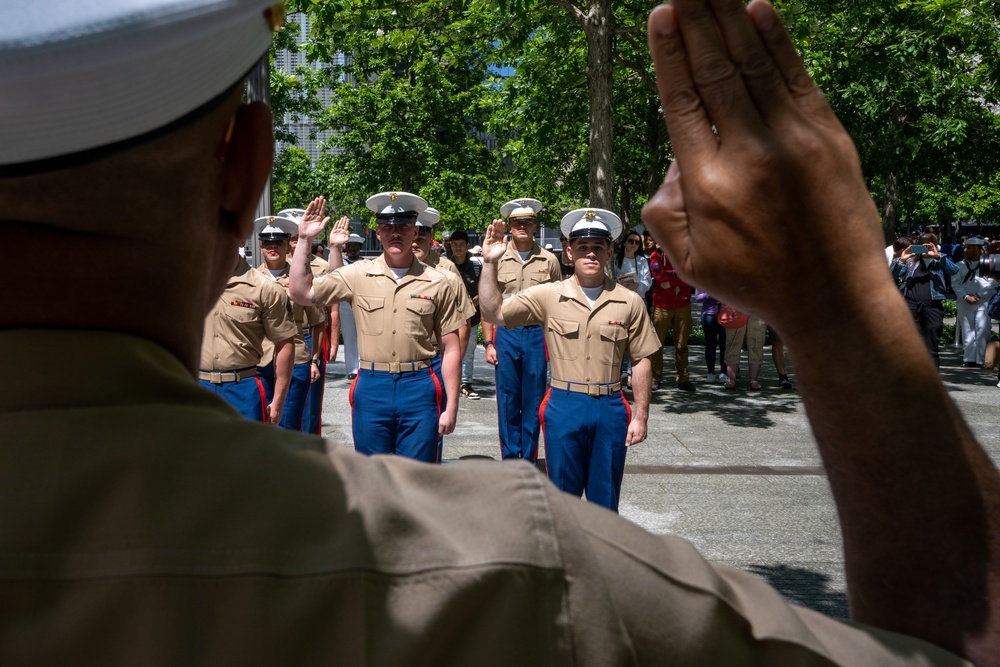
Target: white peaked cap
{"type": "Point", "coordinates": [591, 223]}
{"type": "Point", "coordinates": [397, 205]}
{"type": "Point", "coordinates": [356, 238]}
{"type": "Point", "coordinates": [293, 214]}
{"type": "Point", "coordinates": [521, 208]}
{"type": "Point", "coordinates": [974, 241]}
{"type": "Point", "coordinates": [429, 218]}
{"type": "Point", "coordinates": [85, 74]}
{"type": "Point", "coordinates": [275, 225]}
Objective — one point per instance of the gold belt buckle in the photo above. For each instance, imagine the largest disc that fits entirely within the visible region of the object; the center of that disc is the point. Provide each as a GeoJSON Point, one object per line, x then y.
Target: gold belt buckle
{"type": "Point", "coordinates": [394, 367]}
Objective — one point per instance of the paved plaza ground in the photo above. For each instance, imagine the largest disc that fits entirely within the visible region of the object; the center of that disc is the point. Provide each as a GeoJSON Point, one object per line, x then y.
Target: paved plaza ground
{"type": "Point", "coordinates": [734, 472]}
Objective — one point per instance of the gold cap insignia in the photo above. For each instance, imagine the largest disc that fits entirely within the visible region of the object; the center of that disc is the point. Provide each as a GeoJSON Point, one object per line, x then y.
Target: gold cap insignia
{"type": "Point", "coordinates": [275, 15]}
{"type": "Point", "coordinates": [393, 196]}
{"type": "Point", "coordinates": [270, 219]}
{"type": "Point", "coordinates": [590, 215]}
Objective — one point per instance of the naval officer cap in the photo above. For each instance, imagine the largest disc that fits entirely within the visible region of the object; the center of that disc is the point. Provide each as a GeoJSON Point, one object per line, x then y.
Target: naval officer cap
{"type": "Point", "coordinates": [975, 241]}
{"type": "Point", "coordinates": [429, 218]}
{"type": "Point", "coordinates": [275, 228]}
{"type": "Point", "coordinates": [396, 208]}
{"type": "Point", "coordinates": [80, 80]}
{"type": "Point", "coordinates": [293, 214]}
{"type": "Point", "coordinates": [596, 223]}
{"type": "Point", "coordinates": [521, 208]}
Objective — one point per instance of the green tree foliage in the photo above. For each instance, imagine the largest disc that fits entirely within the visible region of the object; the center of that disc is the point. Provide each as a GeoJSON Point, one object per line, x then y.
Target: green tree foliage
{"type": "Point", "coordinates": [413, 90]}
{"type": "Point", "coordinates": [915, 83]}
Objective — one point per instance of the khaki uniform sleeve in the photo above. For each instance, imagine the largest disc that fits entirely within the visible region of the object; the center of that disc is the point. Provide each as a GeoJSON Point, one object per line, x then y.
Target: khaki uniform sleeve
{"type": "Point", "coordinates": [526, 307]}
{"type": "Point", "coordinates": [334, 286]}
{"type": "Point", "coordinates": [315, 315]}
{"type": "Point", "coordinates": [276, 312]}
{"type": "Point", "coordinates": [659, 595]}
{"type": "Point", "coordinates": [642, 339]}
{"type": "Point", "coordinates": [447, 317]}
{"type": "Point", "coordinates": [555, 271]}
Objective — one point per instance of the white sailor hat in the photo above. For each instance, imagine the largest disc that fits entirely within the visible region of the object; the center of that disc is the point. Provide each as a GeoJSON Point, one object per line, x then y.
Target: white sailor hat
{"type": "Point", "coordinates": [396, 208]}
{"type": "Point", "coordinates": [275, 228]}
{"type": "Point", "coordinates": [521, 208]}
{"type": "Point", "coordinates": [974, 241]}
{"type": "Point", "coordinates": [97, 77]}
{"type": "Point", "coordinates": [591, 223]}
{"type": "Point", "coordinates": [293, 214]}
{"type": "Point", "coordinates": [356, 238]}
{"type": "Point", "coordinates": [429, 218]}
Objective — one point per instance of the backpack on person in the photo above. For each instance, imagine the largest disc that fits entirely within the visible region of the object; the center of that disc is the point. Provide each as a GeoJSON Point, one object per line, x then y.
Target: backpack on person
{"type": "Point", "coordinates": [993, 307]}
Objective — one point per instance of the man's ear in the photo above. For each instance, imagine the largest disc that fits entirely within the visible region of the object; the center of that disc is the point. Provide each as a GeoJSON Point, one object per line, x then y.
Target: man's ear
{"type": "Point", "coordinates": [568, 249]}
{"type": "Point", "coordinates": [247, 161]}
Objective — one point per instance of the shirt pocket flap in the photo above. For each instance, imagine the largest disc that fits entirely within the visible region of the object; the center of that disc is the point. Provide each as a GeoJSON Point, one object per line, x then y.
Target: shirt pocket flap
{"type": "Point", "coordinates": [564, 327]}
{"type": "Point", "coordinates": [420, 306]}
{"type": "Point", "coordinates": [613, 332]}
{"type": "Point", "coordinates": [369, 303]}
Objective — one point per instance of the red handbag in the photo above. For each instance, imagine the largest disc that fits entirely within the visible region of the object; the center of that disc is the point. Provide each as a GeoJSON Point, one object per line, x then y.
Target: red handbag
{"type": "Point", "coordinates": [730, 318]}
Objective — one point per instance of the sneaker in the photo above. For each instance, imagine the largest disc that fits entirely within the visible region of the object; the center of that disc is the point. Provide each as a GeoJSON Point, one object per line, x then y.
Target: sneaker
{"type": "Point", "coordinates": [784, 382]}
{"type": "Point", "coordinates": [686, 386]}
{"type": "Point", "coordinates": [352, 375]}
{"type": "Point", "coordinates": [469, 393]}
{"type": "Point", "coordinates": [656, 386]}
{"type": "Point", "coordinates": [722, 377]}
{"type": "Point", "coordinates": [710, 378]}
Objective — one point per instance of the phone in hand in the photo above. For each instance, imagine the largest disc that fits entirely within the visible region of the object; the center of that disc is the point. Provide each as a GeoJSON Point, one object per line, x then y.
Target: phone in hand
{"type": "Point", "coordinates": [918, 249]}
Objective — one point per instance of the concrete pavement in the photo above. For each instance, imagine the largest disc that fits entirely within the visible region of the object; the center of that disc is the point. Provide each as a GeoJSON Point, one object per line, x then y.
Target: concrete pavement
{"type": "Point", "coordinates": [736, 473]}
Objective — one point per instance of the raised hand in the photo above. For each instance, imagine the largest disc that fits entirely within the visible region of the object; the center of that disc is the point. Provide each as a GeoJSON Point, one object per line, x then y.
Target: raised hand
{"type": "Point", "coordinates": [495, 245]}
{"type": "Point", "coordinates": [340, 232]}
{"type": "Point", "coordinates": [313, 223]}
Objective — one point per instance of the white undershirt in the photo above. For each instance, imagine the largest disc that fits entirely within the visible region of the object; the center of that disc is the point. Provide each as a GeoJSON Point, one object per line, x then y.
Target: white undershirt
{"type": "Point", "coordinates": [399, 273]}
{"type": "Point", "coordinates": [592, 294]}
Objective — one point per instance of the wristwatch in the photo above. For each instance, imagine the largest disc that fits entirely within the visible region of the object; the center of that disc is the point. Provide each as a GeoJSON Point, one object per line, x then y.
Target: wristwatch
{"type": "Point", "coordinates": [487, 343]}
{"type": "Point", "coordinates": [315, 361]}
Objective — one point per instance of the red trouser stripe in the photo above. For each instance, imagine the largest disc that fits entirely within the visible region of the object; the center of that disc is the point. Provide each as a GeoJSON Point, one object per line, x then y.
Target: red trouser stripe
{"type": "Point", "coordinates": [541, 421]}
{"type": "Point", "coordinates": [263, 398]}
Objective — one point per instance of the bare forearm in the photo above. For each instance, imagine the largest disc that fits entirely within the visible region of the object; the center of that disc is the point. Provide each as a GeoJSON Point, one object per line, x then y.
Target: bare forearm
{"type": "Point", "coordinates": [919, 500]}
{"type": "Point", "coordinates": [300, 287]}
{"type": "Point", "coordinates": [490, 299]}
{"type": "Point", "coordinates": [450, 369]}
{"type": "Point", "coordinates": [642, 380]}
{"type": "Point", "coordinates": [284, 360]}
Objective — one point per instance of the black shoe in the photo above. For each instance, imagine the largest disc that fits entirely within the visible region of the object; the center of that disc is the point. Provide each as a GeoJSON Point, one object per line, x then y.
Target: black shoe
{"type": "Point", "coordinates": [656, 386]}
{"type": "Point", "coordinates": [686, 386]}
{"type": "Point", "coordinates": [469, 393]}
{"type": "Point", "coordinates": [351, 376]}
{"type": "Point", "coordinates": [784, 383]}
{"type": "Point", "coordinates": [971, 364]}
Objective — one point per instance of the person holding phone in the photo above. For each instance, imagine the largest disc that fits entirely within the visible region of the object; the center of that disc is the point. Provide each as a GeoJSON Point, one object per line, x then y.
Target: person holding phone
{"type": "Point", "coordinates": [920, 272]}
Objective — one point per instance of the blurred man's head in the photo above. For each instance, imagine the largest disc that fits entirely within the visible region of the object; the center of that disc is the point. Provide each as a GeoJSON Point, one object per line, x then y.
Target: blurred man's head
{"type": "Point", "coordinates": [459, 246]}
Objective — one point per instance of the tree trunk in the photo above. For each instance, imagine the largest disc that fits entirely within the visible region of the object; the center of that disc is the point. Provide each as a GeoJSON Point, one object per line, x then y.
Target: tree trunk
{"type": "Point", "coordinates": [625, 204]}
{"type": "Point", "coordinates": [890, 206]}
{"type": "Point", "coordinates": [599, 28]}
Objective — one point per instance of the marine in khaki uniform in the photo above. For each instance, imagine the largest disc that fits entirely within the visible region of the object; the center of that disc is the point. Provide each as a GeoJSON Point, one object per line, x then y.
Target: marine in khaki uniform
{"type": "Point", "coordinates": [274, 233]}
{"type": "Point", "coordinates": [323, 340]}
{"type": "Point", "coordinates": [248, 313]}
{"type": "Point", "coordinates": [590, 323]}
{"type": "Point", "coordinates": [146, 523]}
{"type": "Point", "coordinates": [519, 355]}
{"type": "Point", "coordinates": [404, 310]}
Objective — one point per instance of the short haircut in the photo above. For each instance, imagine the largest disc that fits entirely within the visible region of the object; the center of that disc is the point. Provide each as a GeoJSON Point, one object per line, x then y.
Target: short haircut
{"type": "Point", "coordinates": [900, 243]}
{"type": "Point", "coordinates": [929, 238]}
{"type": "Point", "coordinates": [460, 235]}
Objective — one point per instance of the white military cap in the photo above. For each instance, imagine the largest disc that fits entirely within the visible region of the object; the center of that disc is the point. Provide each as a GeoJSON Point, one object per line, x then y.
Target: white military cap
{"type": "Point", "coordinates": [396, 208]}
{"type": "Point", "coordinates": [591, 223]}
{"type": "Point", "coordinates": [293, 214]}
{"type": "Point", "coordinates": [356, 238]}
{"type": "Point", "coordinates": [429, 218]}
{"type": "Point", "coordinates": [275, 228]}
{"type": "Point", "coordinates": [521, 208]}
{"type": "Point", "coordinates": [76, 76]}
{"type": "Point", "coordinates": [974, 241]}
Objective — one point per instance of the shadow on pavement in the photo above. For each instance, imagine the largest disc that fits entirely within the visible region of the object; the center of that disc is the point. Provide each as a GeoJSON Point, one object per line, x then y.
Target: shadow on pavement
{"type": "Point", "coordinates": [804, 587]}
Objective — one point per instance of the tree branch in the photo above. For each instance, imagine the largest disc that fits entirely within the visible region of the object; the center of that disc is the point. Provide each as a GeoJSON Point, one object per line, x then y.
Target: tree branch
{"type": "Point", "coordinates": [573, 10]}
{"type": "Point", "coordinates": [641, 27]}
{"type": "Point", "coordinates": [638, 68]}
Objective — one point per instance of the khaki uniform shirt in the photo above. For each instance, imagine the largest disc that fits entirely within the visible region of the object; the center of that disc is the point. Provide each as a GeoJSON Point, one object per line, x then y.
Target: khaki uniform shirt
{"type": "Point", "coordinates": [146, 523]}
{"type": "Point", "coordinates": [395, 322]}
{"type": "Point", "coordinates": [513, 275]}
{"type": "Point", "coordinates": [250, 310]}
{"type": "Point", "coordinates": [585, 344]}
{"type": "Point", "coordinates": [304, 316]}
{"type": "Point", "coordinates": [317, 265]}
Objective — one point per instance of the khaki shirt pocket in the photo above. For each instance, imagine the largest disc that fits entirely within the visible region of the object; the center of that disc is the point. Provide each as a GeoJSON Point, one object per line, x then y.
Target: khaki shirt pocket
{"type": "Point", "coordinates": [420, 319]}
{"type": "Point", "coordinates": [614, 338]}
{"type": "Point", "coordinates": [240, 313]}
{"type": "Point", "coordinates": [370, 314]}
{"type": "Point", "coordinates": [507, 281]}
{"type": "Point", "coordinates": [537, 277]}
{"type": "Point", "coordinates": [564, 339]}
